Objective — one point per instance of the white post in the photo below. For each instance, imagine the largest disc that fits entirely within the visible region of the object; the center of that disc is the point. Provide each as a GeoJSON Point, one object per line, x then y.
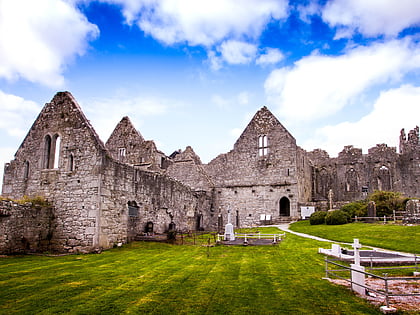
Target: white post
{"type": "Point", "coordinates": [357, 271]}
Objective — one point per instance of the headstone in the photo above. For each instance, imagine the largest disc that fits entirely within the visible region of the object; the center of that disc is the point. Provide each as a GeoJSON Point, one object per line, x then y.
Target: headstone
{"type": "Point", "coordinates": [335, 250]}
{"type": "Point", "coordinates": [371, 211]}
{"type": "Point", "coordinates": [412, 211]}
{"type": "Point", "coordinates": [229, 232]}
{"type": "Point", "coordinates": [357, 271]}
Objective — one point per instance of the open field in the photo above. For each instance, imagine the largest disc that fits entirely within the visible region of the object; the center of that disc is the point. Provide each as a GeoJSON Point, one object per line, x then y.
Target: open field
{"type": "Point", "coordinates": [157, 278]}
{"type": "Point", "coordinates": [389, 236]}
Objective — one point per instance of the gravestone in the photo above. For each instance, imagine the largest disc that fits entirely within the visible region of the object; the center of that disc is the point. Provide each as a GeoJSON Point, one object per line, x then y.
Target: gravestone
{"type": "Point", "coordinates": [229, 233]}
{"type": "Point", "coordinates": [412, 211]}
{"type": "Point", "coordinates": [371, 211]}
{"type": "Point", "coordinates": [357, 271]}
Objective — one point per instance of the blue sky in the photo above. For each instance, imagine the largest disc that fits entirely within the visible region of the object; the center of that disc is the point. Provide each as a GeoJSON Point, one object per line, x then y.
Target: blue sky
{"type": "Point", "coordinates": [191, 72]}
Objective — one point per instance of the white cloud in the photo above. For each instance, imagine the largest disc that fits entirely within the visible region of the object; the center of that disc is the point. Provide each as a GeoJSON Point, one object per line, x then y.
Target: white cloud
{"type": "Point", "coordinates": [393, 110]}
{"type": "Point", "coordinates": [106, 113]}
{"type": "Point", "coordinates": [372, 17]}
{"type": "Point", "coordinates": [271, 56]}
{"type": "Point", "coordinates": [16, 114]}
{"type": "Point", "coordinates": [318, 86]}
{"type": "Point", "coordinates": [241, 98]}
{"type": "Point", "coordinates": [39, 38]}
{"type": "Point", "coordinates": [204, 22]}
{"type": "Point", "coordinates": [237, 52]}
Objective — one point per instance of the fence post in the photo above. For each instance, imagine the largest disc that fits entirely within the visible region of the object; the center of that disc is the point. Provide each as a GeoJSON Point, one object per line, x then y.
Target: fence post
{"type": "Point", "coordinates": [326, 267]}
{"type": "Point", "coordinates": [386, 289]}
{"type": "Point", "coordinates": [395, 221]}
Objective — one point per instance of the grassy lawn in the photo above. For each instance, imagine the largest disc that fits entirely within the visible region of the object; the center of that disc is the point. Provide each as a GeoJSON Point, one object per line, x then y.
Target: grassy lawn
{"type": "Point", "coordinates": [389, 236]}
{"type": "Point", "coordinates": [156, 278]}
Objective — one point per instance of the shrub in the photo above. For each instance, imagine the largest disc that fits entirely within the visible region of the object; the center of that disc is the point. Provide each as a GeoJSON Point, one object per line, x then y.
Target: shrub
{"type": "Point", "coordinates": [317, 217]}
{"type": "Point", "coordinates": [386, 201]}
{"type": "Point", "coordinates": [356, 208]}
{"type": "Point", "coordinates": [337, 217]}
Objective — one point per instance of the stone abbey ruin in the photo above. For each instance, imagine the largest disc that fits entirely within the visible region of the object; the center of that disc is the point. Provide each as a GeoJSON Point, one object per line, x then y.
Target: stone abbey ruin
{"type": "Point", "coordinates": [105, 194]}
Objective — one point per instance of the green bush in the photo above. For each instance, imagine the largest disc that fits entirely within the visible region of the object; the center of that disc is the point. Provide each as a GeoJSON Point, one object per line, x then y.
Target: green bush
{"type": "Point", "coordinates": [387, 201]}
{"type": "Point", "coordinates": [356, 208]}
{"type": "Point", "coordinates": [336, 217]}
{"type": "Point", "coordinates": [317, 217]}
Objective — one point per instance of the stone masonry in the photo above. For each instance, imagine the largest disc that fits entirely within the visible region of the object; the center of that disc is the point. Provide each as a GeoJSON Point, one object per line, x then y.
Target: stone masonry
{"type": "Point", "coordinates": [105, 194]}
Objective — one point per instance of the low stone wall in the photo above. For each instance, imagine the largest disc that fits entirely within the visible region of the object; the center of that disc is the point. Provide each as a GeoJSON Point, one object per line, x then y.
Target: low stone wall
{"type": "Point", "coordinates": [25, 228]}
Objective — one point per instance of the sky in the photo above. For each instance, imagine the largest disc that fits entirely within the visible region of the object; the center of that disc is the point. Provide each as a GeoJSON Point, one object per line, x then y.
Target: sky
{"type": "Point", "coordinates": [194, 72]}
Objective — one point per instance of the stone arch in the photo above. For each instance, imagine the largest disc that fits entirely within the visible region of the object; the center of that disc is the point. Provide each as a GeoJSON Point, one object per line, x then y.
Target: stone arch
{"type": "Point", "coordinates": [383, 178]}
{"type": "Point", "coordinates": [323, 183]}
{"type": "Point", "coordinates": [284, 207]}
{"type": "Point", "coordinates": [352, 180]}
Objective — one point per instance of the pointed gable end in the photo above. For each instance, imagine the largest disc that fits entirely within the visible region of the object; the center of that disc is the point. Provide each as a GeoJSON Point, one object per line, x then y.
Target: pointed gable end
{"type": "Point", "coordinates": [262, 124]}
{"type": "Point", "coordinates": [61, 114]}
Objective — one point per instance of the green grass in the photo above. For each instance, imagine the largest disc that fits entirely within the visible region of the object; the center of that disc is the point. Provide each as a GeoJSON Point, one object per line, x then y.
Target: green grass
{"type": "Point", "coordinates": [389, 236]}
{"type": "Point", "coordinates": [156, 278]}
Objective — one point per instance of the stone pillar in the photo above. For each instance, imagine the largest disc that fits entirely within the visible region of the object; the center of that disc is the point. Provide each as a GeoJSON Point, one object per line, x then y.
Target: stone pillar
{"type": "Point", "coordinates": [229, 233]}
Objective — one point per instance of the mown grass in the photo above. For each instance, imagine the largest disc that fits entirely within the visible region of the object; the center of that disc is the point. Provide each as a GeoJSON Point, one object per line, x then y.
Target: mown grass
{"type": "Point", "coordinates": [389, 236]}
{"type": "Point", "coordinates": [156, 278]}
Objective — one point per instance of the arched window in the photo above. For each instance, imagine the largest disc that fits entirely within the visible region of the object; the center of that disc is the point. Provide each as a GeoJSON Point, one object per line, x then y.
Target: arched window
{"type": "Point", "coordinates": [57, 143]}
{"type": "Point", "coordinates": [26, 170]}
{"type": "Point", "coordinates": [71, 163]}
{"type": "Point", "coordinates": [47, 152]}
{"type": "Point", "coordinates": [262, 145]}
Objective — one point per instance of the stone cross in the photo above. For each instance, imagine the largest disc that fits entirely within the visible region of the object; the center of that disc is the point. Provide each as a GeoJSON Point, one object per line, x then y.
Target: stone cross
{"type": "Point", "coordinates": [330, 198]}
{"type": "Point", "coordinates": [229, 232]}
{"type": "Point", "coordinates": [356, 245]}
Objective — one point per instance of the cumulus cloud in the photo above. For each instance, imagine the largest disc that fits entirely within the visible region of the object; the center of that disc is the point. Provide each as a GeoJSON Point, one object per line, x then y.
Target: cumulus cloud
{"type": "Point", "coordinates": [201, 22]}
{"type": "Point", "coordinates": [318, 86]}
{"type": "Point", "coordinates": [372, 18]}
{"type": "Point", "coordinates": [39, 38]}
{"type": "Point", "coordinates": [393, 110]}
{"type": "Point", "coordinates": [16, 114]}
{"type": "Point", "coordinates": [242, 98]}
{"type": "Point", "coordinates": [107, 112]}
{"type": "Point", "coordinates": [237, 52]}
{"type": "Point", "coordinates": [271, 56]}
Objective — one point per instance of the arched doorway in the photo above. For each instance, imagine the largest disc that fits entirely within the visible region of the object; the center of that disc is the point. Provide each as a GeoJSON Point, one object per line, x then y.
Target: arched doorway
{"type": "Point", "coordinates": [284, 207]}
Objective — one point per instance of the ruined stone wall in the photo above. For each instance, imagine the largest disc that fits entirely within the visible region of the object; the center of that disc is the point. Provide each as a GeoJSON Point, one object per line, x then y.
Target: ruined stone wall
{"type": "Point", "coordinates": [72, 184]}
{"type": "Point", "coordinates": [158, 198]}
{"type": "Point", "coordinates": [26, 228]}
{"type": "Point", "coordinates": [353, 175]}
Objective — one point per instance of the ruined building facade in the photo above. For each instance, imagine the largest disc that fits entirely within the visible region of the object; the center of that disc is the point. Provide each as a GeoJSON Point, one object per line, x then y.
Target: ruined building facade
{"type": "Point", "coordinates": [105, 194]}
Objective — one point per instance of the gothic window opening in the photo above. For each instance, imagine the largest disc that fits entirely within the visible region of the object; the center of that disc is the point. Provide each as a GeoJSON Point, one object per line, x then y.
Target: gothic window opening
{"type": "Point", "coordinates": [47, 151]}
{"type": "Point", "coordinates": [71, 163]}
{"type": "Point", "coordinates": [26, 170]}
{"type": "Point", "coordinates": [262, 145]}
{"type": "Point", "coordinates": [56, 144]}
{"type": "Point", "coordinates": [352, 180]}
{"type": "Point", "coordinates": [121, 153]}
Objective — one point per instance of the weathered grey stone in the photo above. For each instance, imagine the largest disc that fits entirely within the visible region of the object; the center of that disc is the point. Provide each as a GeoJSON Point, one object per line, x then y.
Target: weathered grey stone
{"type": "Point", "coordinates": [107, 194]}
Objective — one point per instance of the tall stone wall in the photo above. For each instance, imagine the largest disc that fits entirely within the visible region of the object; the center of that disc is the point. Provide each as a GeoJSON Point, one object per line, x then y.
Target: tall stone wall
{"type": "Point", "coordinates": [26, 228]}
{"type": "Point", "coordinates": [158, 199]}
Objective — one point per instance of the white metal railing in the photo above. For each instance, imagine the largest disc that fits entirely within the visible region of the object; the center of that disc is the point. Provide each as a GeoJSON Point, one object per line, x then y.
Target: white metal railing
{"type": "Point", "coordinates": [275, 237]}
